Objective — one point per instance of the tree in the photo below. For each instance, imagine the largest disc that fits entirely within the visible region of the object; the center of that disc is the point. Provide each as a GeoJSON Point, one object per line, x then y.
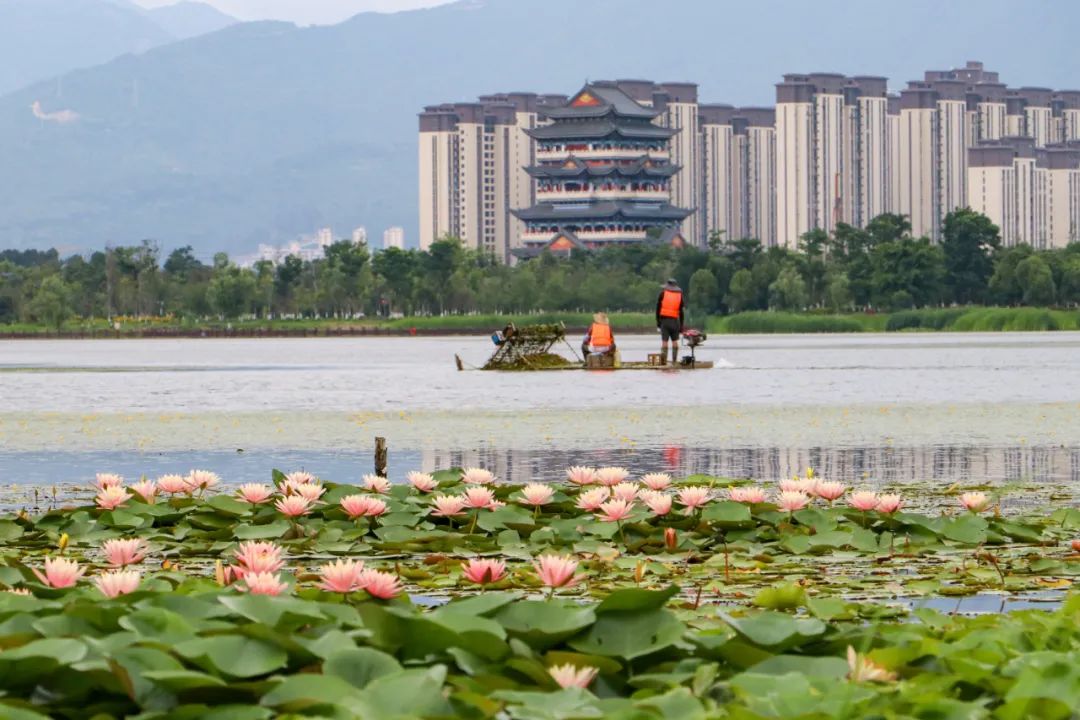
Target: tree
{"type": "Point", "coordinates": [788, 291]}
{"type": "Point", "coordinates": [232, 290]}
{"type": "Point", "coordinates": [1036, 281]}
{"type": "Point", "coordinates": [968, 239]}
{"type": "Point", "coordinates": [703, 293]}
{"type": "Point", "coordinates": [908, 272]}
{"type": "Point", "coordinates": [838, 293]}
{"type": "Point", "coordinates": [742, 292]}
{"type": "Point", "coordinates": [51, 303]}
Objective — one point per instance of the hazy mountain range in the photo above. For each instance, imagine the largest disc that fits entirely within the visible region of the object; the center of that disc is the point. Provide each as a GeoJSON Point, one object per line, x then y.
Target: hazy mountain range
{"type": "Point", "coordinates": [261, 131]}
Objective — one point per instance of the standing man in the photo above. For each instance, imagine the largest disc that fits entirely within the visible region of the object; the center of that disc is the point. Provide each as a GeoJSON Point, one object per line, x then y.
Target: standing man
{"type": "Point", "coordinates": [669, 318]}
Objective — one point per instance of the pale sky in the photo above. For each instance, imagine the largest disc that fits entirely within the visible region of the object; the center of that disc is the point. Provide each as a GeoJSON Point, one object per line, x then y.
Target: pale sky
{"type": "Point", "coordinates": [304, 12]}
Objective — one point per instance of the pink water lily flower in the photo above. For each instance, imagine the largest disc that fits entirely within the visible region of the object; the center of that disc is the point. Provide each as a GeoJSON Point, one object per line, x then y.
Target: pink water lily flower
{"type": "Point", "coordinates": [658, 502]}
{"type": "Point", "coordinates": [790, 501]}
{"type": "Point", "coordinates": [60, 572]}
{"type": "Point", "coordinates": [146, 489]}
{"type": "Point", "coordinates": [693, 497]}
{"type": "Point", "coordinates": [112, 497]}
{"type": "Point", "coordinates": [829, 490]}
{"type": "Point", "coordinates": [796, 484]}
{"type": "Point", "coordinates": [124, 552]}
{"type": "Point", "coordinates": [379, 584]}
{"type": "Point", "coordinates": [448, 505]}
{"type": "Point", "coordinates": [591, 500]}
{"type": "Point", "coordinates": [202, 480]}
{"type": "Point", "coordinates": [376, 484]}
{"type": "Point", "coordinates": [557, 571]}
{"type": "Point", "coordinates": [580, 475]}
{"type": "Point", "coordinates": [477, 476]}
{"type": "Point", "coordinates": [262, 584]}
{"type": "Point", "coordinates": [974, 501]}
{"type": "Point", "coordinates": [293, 506]}
{"type": "Point", "coordinates": [254, 493]}
{"type": "Point", "coordinates": [536, 494]}
{"type": "Point", "coordinates": [484, 571]}
{"type": "Point", "coordinates": [863, 500]}
{"type": "Point", "coordinates": [422, 481]}
{"type": "Point", "coordinates": [615, 510]}
{"type": "Point", "coordinates": [889, 504]}
{"type": "Point", "coordinates": [568, 676]}
{"type": "Point", "coordinates": [362, 506]}
{"type": "Point", "coordinates": [625, 491]}
{"type": "Point", "coordinates": [341, 576]}
{"type": "Point", "coordinates": [173, 484]}
{"type": "Point", "coordinates": [310, 491]}
{"type": "Point", "coordinates": [611, 476]}
{"type": "Point", "coordinates": [299, 477]}
{"type": "Point", "coordinates": [259, 557]}
{"type": "Point", "coordinates": [106, 480]}
{"type": "Point", "coordinates": [117, 582]}
{"type": "Point", "coordinates": [750, 494]}
{"type": "Point", "coordinates": [863, 669]}
{"type": "Point", "coordinates": [656, 481]}
{"type": "Point", "coordinates": [479, 497]}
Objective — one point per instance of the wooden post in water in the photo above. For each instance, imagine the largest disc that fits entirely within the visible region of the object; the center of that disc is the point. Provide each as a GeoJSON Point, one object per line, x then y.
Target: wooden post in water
{"type": "Point", "coordinates": [380, 456]}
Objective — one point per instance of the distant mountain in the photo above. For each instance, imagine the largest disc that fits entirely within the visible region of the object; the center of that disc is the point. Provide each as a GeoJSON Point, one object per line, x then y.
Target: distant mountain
{"type": "Point", "coordinates": [43, 38]}
{"type": "Point", "coordinates": [190, 19]}
{"type": "Point", "coordinates": [264, 130]}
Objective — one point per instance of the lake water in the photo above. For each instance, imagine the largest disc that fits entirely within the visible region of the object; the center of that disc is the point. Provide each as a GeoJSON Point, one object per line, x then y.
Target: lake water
{"type": "Point", "coordinates": [872, 409]}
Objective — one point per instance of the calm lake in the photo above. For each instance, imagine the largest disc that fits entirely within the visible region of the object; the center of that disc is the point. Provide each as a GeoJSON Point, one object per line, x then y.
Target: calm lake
{"type": "Point", "coordinates": [870, 409]}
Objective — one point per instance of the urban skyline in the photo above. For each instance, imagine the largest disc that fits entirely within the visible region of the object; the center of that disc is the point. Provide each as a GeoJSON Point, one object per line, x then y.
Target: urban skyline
{"type": "Point", "coordinates": [834, 149]}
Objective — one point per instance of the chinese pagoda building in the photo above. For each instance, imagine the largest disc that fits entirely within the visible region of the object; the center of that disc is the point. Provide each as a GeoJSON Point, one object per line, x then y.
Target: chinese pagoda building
{"type": "Point", "coordinates": [603, 176]}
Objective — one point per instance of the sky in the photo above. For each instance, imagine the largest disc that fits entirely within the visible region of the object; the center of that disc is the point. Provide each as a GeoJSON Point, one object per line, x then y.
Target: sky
{"type": "Point", "coordinates": [303, 12]}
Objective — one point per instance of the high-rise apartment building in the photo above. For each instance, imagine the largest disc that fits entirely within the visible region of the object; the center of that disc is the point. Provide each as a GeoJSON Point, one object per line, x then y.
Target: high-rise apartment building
{"type": "Point", "coordinates": [738, 161]}
{"type": "Point", "coordinates": [393, 237]}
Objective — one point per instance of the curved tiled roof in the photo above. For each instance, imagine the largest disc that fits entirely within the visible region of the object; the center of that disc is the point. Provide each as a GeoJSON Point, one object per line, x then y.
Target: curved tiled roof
{"type": "Point", "coordinates": [579, 168]}
{"type": "Point", "coordinates": [600, 129]}
{"type": "Point", "coordinates": [605, 210]}
{"type": "Point", "coordinates": [605, 100]}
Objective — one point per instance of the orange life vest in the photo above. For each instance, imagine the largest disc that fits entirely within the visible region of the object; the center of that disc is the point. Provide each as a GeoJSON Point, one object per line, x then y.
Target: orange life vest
{"type": "Point", "coordinates": [669, 305]}
{"type": "Point", "coordinates": [600, 335]}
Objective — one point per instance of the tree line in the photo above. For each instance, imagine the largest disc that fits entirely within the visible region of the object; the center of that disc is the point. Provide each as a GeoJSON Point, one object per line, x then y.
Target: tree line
{"type": "Point", "coordinates": [880, 267]}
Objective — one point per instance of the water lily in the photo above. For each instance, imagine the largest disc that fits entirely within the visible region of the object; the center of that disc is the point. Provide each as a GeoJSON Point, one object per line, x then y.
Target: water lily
{"type": "Point", "coordinates": [478, 497]}
{"type": "Point", "coordinates": [423, 482]}
{"type": "Point", "coordinates": [888, 504]}
{"type": "Point", "coordinates": [536, 494]}
{"type": "Point", "coordinates": [146, 489]}
{"type": "Point", "coordinates": [341, 576]}
{"type": "Point", "coordinates": [693, 497]}
{"type": "Point", "coordinates": [610, 476]}
{"type": "Point", "coordinates": [829, 490]}
{"type": "Point", "coordinates": [299, 477]}
{"type": "Point", "coordinates": [362, 506]}
{"type": "Point", "coordinates": [615, 510]}
{"type": "Point", "coordinates": [112, 497]}
{"type": "Point", "coordinates": [202, 480]}
{"type": "Point", "coordinates": [484, 571]}
{"type": "Point", "coordinates": [117, 582]}
{"type": "Point", "coordinates": [293, 506]}
{"type": "Point", "coordinates": [310, 491]}
{"type": "Point", "coordinates": [376, 484]}
{"type": "Point", "coordinates": [863, 500]}
{"type": "Point", "coordinates": [591, 500]}
{"type": "Point", "coordinates": [580, 475]}
{"type": "Point", "coordinates": [625, 491]}
{"type": "Point", "coordinates": [254, 493]}
{"type": "Point", "coordinates": [60, 572]}
{"type": "Point", "coordinates": [477, 476]}
{"type": "Point", "coordinates": [671, 539]}
{"type": "Point", "coordinates": [800, 485]}
{"type": "Point", "coordinates": [259, 557]}
{"type": "Point", "coordinates": [750, 494]}
{"type": "Point", "coordinates": [974, 501]}
{"type": "Point", "coordinates": [658, 502]}
{"type": "Point", "coordinates": [862, 669]}
{"type": "Point", "coordinates": [124, 552]}
{"type": "Point", "coordinates": [107, 480]}
{"type": "Point", "coordinates": [379, 584]}
{"type": "Point", "coordinates": [557, 571]}
{"type": "Point", "coordinates": [790, 501]}
{"type": "Point", "coordinates": [173, 484]}
{"type": "Point", "coordinates": [448, 505]}
{"type": "Point", "coordinates": [568, 676]}
{"type": "Point", "coordinates": [656, 481]}
{"type": "Point", "coordinates": [264, 583]}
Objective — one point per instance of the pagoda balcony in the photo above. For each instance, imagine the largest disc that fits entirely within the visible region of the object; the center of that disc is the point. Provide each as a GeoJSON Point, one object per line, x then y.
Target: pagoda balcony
{"type": "Point", "coordinates": [544, 154]}
{"type": "Point", "coordinates": [590, 235]}
{"type": "Point", "coordinates": [556, 194]}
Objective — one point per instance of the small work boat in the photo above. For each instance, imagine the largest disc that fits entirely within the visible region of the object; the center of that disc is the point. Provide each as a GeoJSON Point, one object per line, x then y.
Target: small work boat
{"type": "Point", "coordinates": [531, 348]}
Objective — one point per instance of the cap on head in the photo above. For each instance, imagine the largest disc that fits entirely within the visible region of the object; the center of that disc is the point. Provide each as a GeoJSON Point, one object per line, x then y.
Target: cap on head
{"type": "Point", "coordinates": [671, 281]}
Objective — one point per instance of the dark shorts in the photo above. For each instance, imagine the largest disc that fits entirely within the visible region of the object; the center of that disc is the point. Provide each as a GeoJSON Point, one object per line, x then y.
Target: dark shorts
{"type": "Point", "coordinates": [669, 329]}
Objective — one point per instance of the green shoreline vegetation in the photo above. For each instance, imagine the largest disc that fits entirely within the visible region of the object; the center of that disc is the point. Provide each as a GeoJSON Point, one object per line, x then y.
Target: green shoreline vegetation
{"type": "Point", "coordinates": [878, 278]}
